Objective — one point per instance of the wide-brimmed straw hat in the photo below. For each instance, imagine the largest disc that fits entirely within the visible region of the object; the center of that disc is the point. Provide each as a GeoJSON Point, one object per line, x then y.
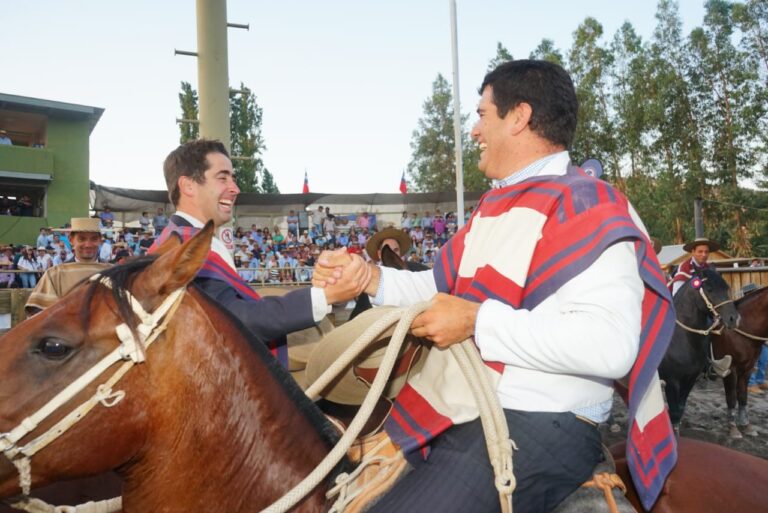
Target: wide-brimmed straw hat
{"type": "Point", "coordinates": [351, 386]}
{"type": "Point", "coordinates": [701, 241]}
{"type": "Point", "coordinates": [372, 246]}
{"type": "Point", "coordinates": [84, 224]}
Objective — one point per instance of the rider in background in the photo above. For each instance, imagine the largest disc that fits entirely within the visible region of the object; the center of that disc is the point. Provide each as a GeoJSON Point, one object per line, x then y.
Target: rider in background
{"type": "Point", "coordinates": [700, 248]}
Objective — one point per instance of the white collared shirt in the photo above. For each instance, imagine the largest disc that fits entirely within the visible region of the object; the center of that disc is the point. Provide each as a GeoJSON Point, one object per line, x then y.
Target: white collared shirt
{"type": "Point", "coordinates": [564, 354]}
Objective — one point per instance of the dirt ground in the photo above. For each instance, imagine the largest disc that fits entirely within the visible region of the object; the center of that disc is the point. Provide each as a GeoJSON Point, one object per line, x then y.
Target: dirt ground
{"type": "Point", "coordinates": [706, 419]}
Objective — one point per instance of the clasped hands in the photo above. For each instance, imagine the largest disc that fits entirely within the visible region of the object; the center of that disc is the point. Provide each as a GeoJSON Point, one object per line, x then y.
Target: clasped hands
{"type": "Point", "coordinates": [448, 320]}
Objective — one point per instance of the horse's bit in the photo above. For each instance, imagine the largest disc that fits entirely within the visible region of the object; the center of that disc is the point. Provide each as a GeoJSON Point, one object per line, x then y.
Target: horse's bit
{"type": "Point", "coordinates": [130, 352]}
{"type": "Point", "coordinates": [716, 326]}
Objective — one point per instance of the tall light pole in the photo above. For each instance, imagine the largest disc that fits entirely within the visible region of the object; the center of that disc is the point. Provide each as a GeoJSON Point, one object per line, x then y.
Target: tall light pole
{"type": "Point", "coordinates": [213, 70]}
{"type": "Point", "coordinates": [457, 120]}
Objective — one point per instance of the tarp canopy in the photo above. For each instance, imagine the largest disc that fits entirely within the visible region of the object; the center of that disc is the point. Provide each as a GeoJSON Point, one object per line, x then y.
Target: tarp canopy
{"type": "Point", "coordinates": [135, 201]}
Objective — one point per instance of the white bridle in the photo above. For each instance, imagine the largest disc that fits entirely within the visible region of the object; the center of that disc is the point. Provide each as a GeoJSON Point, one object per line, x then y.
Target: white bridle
{"type": "Point", "coordinates": [130, 352]}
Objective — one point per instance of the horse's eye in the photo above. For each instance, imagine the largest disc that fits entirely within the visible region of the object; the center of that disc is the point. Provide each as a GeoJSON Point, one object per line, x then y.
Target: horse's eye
{"type": "Point", "coordinates": [53, 348]}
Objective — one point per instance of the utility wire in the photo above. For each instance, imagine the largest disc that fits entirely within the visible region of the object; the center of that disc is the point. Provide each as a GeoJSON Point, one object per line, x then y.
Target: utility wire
{"type": "Point", "coordinates": [734, 205]}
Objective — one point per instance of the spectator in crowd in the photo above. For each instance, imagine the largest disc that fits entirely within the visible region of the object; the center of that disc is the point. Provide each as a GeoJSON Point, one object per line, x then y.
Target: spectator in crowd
{"type": "Point", "coordinates": [342, 239]}
{"type": "Point", "coordinates": [438, 225]}
{"type": "Point", "coordinates": [7, 279]}
{"type": "Point", "coordinates": [44, 260]}
{"type": "Point", "coordinates": [42, 238]}
{"type": "Point", "coordinates": [405, 221]}
{"type": "Point", "coordinates": [417, 234]}
{"type": "Point", "coordinates": [426, 222]}
{"type": "Point", "coordinates": [318, 219]}
{"type": "Point", "coordinates": [144, 221]}
{"type": "Point", "coordinates": [277, 238]}
{"type": "Point", "coordinates": [60, 279]}
{"type": "Point", "coordinates": [159, 221]}
{"type": "Point", "coordinates": [363, 221]}
{"type": "Point", "coordinates": [24, 206]}
{"type": "Point", "coordinates": [145, 243]}
{"type": "Point", "coordinates": [105, 253]}
{"type": "Point", "coordinates": [61, 256]}
{"type": "Point", "coordinates": [4, 139]}
{"type": "Point", "coordinates": [468, 214]}
{"type": "Point", "coordinates": [329, 224]}
{"type": "Point", "coordinates": [106, 217]}
{"type": "Point", "coordinates": [28, 263]}
{"type": "Point", "coordinates": [293, 223]}
{"type": "Point", "coordinates": [429, 258]}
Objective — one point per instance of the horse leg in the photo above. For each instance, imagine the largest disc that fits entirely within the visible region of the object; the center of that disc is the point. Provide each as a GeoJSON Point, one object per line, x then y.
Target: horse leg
{"type": "Point", "coordinates": [742, 420]}
{"type": "Point", "coordinates": [729, 384]}
{"type": "Point", "coordinates": [674, 403]}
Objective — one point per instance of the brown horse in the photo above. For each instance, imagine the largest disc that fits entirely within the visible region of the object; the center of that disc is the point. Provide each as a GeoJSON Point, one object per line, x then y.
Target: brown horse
{"type": "Point", "coordinates": [204, 421]}
{"type": "Point", "coordinates": [209, 423]}
{"type": "Point", "coordinates": [708, 478]}
{"type": "Point", "coordinates": [745, 351]}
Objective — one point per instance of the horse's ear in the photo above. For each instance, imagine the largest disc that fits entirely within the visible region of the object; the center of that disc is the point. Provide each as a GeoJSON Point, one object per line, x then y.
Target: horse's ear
{"type": "Point", "coordinates": [391, 259]}
{"type": "Point", "coordinates": [177, 266]}
{"type": "Point", "coordinates": [172, 242]}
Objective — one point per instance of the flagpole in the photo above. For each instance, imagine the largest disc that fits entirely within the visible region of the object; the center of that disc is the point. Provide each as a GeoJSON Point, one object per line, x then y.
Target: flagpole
{"type": "Point", "coordinates": [457, 120]}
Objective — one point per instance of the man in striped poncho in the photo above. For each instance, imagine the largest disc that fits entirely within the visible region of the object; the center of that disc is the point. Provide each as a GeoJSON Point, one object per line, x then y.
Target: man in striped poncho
{"type": "Point", "coordinates": [556, 281]}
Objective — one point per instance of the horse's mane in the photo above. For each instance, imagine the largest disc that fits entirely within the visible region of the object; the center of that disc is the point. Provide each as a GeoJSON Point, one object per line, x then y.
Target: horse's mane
{"type": "Point", "coordinates": [749, 296]}
{"type": "Point", "coordinates": [121, 276]}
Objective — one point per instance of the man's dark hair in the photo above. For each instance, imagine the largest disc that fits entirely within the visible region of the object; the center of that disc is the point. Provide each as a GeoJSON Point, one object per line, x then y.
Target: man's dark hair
{"type": "Point", "coordinates": [189, 159]}
{"type": "Point", "coordinates": [546, 87]}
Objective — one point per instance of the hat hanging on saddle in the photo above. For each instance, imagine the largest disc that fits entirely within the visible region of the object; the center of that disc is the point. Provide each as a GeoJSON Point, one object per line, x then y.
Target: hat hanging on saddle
{"type": "Point", "coordinates": [300, 343]}
{"type": "Point", "coordinates": [372, 246]}
{"type": "Point", "coordinates": [352, 385]}
{"type": "Point", "coordinates": [701, 241]}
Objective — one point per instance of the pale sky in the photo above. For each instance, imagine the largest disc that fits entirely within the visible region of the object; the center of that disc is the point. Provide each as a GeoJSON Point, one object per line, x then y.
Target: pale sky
{"type": "Point", "coordinates": [341, 83]}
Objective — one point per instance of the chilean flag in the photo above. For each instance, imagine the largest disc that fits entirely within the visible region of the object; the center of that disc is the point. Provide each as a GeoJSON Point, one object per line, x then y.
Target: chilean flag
{"type": "Point", "coordinates": [403, 185]}
{"type": "Point", "coordinates": [305, 190]}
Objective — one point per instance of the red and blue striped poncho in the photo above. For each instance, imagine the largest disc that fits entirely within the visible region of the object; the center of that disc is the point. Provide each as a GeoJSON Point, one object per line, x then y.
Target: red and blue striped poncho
{"type": "Point", "coordinates": [584, 216]}
{"type": "Point", "coordinates": [216, 268]}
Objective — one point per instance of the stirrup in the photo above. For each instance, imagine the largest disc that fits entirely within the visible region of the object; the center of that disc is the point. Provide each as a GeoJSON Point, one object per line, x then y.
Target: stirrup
{"type": "Point", "coordinates": [722, 367]}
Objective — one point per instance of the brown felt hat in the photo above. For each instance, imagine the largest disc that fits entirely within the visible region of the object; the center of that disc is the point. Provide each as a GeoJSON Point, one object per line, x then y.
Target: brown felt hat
{"type": "Point", "coordinates": [701, 241]}
{"type": "Point", "coordinates": [351, 386]}
{"type": "Point", "coordinates": [372, 246]}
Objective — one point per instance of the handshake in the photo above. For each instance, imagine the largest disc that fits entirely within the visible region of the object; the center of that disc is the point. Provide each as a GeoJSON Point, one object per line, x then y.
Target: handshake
{"type": "Point", "coordinates": [344, 276]}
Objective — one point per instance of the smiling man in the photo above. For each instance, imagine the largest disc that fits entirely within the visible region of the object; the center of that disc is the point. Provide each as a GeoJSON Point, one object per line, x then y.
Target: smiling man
{"type": "Point", "coordinates": [60, 279]}
{"type": "Point", "coordinates": [556, 282]}
{"type": "Point", "coordinates": [201, 185]}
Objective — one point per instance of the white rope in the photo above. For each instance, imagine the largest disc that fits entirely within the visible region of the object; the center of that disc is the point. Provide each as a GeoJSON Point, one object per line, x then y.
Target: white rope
{"type": "Point", "coordinates": [130, 352]}
{"type": "Point", "coordinates": [298, 492]}
{"type": "Point", "coordinates": [491, 413]}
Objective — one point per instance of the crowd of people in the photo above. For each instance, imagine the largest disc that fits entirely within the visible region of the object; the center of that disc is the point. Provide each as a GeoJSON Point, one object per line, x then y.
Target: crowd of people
{"type": "Point", "coordinates": [270, 256]}
{"type": "Point", "coordinates": [262, 254]}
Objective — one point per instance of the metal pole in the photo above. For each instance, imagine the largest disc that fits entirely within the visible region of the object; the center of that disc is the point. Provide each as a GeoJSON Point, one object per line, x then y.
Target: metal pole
{"type": "Point", "coordinates": [698, 220]}
{"type": "Point", "coordinates": [457, 120]}
{"type": "Point", "coordinates": [213, 70]}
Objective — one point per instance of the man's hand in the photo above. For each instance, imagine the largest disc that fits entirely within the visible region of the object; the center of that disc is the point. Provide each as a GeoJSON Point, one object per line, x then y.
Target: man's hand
{"type": "Point", "coordinates": [447, 321]}
{"type": "Point", "coordinates": [347, 282]}
{"type": "Point", "coordinates": [329, 266]}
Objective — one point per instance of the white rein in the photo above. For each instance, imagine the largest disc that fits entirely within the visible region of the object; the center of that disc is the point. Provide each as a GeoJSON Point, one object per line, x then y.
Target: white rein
{"type": "Point", "coordinates": [130, 352]}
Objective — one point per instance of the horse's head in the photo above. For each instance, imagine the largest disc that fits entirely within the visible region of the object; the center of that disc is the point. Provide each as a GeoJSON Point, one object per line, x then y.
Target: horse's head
{"type": "Point", "coordinates": [711, 294]}
{"type": "Point", "coordinates": [76, 341]}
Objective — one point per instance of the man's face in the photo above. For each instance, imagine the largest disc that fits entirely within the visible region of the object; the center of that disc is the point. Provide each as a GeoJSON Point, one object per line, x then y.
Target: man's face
{"type": "Point", "coordinates": [493, 135]}
{"type": "Point", "coordinates": [85, 245]}
{"type": "Point", "coordinates": [701, 254]}
{"type": "Point", "coordinates": [214, 199]}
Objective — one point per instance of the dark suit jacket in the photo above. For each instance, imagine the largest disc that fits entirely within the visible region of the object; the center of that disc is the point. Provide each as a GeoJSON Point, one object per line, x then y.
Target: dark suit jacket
{"type": "Point", "coordinates": [268, 318]}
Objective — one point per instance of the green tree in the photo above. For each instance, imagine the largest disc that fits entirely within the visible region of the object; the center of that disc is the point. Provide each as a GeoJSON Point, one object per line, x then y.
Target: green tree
{"type": "Point", "coordinates": [189, 109]}
{"type": "Point", "coordinates": [432, 164]}
{"type": "Point", "coordinates": [246, 141]}
{"type": "Point", "coordinates": [502, 56]}
{"type": "Point", "coordinates": [546, 51]}
{"type": "Point", "coordinates": [589, 64]}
